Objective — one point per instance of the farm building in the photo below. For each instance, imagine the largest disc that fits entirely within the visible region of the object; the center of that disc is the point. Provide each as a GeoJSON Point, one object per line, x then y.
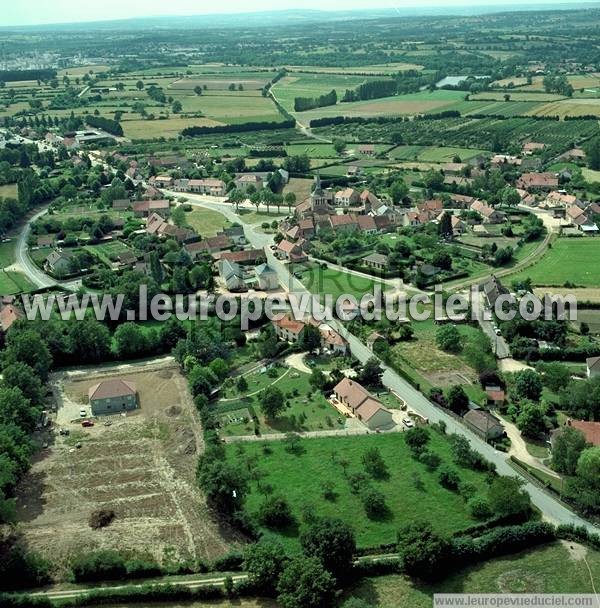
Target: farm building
{"type": "Point", "coordinates": [363, 404]}
{"type": "Point", "coordinates": [111, 396]}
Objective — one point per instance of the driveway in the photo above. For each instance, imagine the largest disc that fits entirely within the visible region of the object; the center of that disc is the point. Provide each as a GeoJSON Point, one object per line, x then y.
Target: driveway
{"type": "Point", "coordinates": [296, 361]}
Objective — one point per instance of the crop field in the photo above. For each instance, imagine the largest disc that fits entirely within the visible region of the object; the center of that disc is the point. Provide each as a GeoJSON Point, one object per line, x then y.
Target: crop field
{"type": "Point", "coordinates": [569, 260]}
{"type": "Point", "coordinates": [168, 128]}
{"type": "Point", "coordinates": [141, 467]}
{"type": "Point", "coordinates": [515, 96]}
{"type": "Point", "coordinates": [577, 81]}
{"type": "Point", "coordinates": [414, 103]}
{"type": "Point", "coordinates": [570, 107]}
{"type": "Point", "coordinates": [313, 85]}
{"type": "Point", "coordinates": [554, 568]}
{"type": "Point", "coordinates": [385, 68]}
{"type": "Point", "coordinates": [410, 490]}
{"type": "Point", "coordinates": [7, 253]}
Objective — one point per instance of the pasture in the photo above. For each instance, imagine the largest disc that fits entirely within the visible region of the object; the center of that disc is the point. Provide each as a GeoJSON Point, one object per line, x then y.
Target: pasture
{"type": "Point", "coordinates": [553, 568]}
{"type": "Point", "coordinates": [569, 107]}
{"type": "Point", "coordinates": [570, 260]}
{"type": "Point", "coordinates": [14, 282]}
{"type": "Point", "coordinates": [410, 490]}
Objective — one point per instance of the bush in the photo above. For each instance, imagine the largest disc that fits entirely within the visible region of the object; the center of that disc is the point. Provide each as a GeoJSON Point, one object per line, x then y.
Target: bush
{"type": "Point", "coordinates": [275, 512]}
{"type": "Point", "coordinates": [101, 518]}
{"type": "Point", "coordinates": [480, 508]}
{"type": "Point", "coordinates": [449, 479]}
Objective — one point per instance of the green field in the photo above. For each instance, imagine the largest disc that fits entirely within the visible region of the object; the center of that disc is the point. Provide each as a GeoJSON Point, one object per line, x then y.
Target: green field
{"type": "Point", "coordinates": [108, 252]}
{"type": "Point", "coordinates": [410, 104]}
{"type": "Point", "coordinates": [411, 491]}
{"type": "Point", "coordinates": [327, 281]}
{"type": "Point", "coordinates": [549, 569]}
{"type": "Point", "coordinates": [306, 410]}
{"type": "Point", "coordinates": [14, 282]}
{"type": "Point", "coordinates": [206, 222]}
{"type": "Point", "coordinates": [434, 154]}
{"type": "Point", "coordinates": [7, 253]}
{"type": "Point", "coordinates": [570, 260]}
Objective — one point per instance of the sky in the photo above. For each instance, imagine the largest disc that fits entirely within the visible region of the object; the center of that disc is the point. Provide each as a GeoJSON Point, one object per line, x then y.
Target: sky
{"type": "Point", "coordinates": [33, 12]}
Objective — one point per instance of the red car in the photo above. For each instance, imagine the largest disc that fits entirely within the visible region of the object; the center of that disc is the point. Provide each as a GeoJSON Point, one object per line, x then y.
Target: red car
{"type": "Point", "coordinates": [87, 423]}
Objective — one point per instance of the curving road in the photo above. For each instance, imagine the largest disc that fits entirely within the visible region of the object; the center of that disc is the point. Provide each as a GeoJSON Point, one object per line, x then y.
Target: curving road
{"type": "Point", "coordinates": [553, 510]}
{"type": "Point", "coordinates": [34, 274]}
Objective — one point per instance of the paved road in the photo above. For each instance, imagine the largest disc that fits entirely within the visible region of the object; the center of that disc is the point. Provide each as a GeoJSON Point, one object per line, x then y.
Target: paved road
{"type": "Point", "coordinates": [34, 274]}
{"type": "Point", "coordinates": [499, 345]}
{"type": "Point", "coordinates": [552, 509]}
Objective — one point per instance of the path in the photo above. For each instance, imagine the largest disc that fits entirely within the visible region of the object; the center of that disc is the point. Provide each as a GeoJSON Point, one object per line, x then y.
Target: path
{"type": "Point", "coordinates": [518, 449]}
{"type": "Point", "coordinates": [260, 390]}
{"type": "Point", "coordinates": [297, 361]}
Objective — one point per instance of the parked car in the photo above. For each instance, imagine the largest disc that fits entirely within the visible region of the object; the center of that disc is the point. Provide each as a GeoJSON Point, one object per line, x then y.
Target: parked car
{"type": "Point", "coordinates": [408, 423]}
{"type": "Point", "coordinates": [87, 423]}
{"type": "Point", "coordinates": [497, 331]}
{"type": "Point", "coordinates": [82, 412]}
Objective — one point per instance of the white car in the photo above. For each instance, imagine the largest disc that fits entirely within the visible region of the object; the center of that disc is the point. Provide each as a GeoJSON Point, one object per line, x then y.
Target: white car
{"type": "Point", "coordinates": [497, 331]}
{"type": "Point", "coordinates": [82, 412]}
{"type": "Point", "coordinates": [408, 423]}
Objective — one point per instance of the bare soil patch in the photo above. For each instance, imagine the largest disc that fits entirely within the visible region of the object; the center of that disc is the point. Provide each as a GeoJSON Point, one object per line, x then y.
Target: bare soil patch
{"type": "Point", "coordinates": [142, 467]}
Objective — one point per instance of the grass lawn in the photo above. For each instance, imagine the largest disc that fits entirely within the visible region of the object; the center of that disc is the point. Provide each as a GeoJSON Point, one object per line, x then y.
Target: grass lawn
{"type": "Point", "coordinates": [206, 222]}
{"type": "Point", "coordinates": [300, 187]}
{"type": "Point", "coordinates": [8, 191]}
{"type": "Point", "coordinates": [108, 252]}
{"type": "Point", "coordinates": [569, 260]}
{"type": "Point", "coordinates": [168, 128]}
{"type": "Point", "coordinates": [548, 569]}
{"type": "Point", "coordinates": [14, 282]}
{"type": "Point", "coordinates": [306, 409]}
{"type": "Point", "coordinates": [411, 491]}
{"type": "Point", "coordinates": [7, 253]}
{"type": "Point", "coordinates": [325, 281]}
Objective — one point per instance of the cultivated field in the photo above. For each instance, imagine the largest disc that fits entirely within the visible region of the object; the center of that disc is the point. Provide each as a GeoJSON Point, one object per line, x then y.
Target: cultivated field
{"type": "Point", "coordinates": [570, 107]}
{"type": "Point", "coordinates": [142, 467]}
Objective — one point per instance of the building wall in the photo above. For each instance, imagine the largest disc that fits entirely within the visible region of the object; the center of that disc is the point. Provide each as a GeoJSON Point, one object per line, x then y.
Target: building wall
{"type": "Point", "coordinates": [381, 420]}
{"type": "Point", "coordinates": [114, 405]}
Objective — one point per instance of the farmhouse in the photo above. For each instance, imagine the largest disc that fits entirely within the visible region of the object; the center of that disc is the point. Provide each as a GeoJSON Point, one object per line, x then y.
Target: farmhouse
{"type": "Point", "coordinates": [495, 396]}
{"type": "Point", "coordinates": [332, 341]}
{"type": "Point", "coordinates": [367, 224]}
{"type": "Point", "coordinates": [347, 197]}
{"type": "Point", "coordinates": [590, 430]}
{"type": "Point", "coordinates": [492, 290]}
{"type": "Point", "coordinates": [288, 329]}
{"type": "Point", "coordinates": [532, 146]}
{"type": "Point", "coordinates": [162, 181]}
{"type": "Point", "coordinates": [145, 208]}
{"type": "Point", "coordinates": [112, 396]}
{"type": "Point", "coordinates": [537, 181]}
{"type": "Point", "coordinates": [488, 214]}
{"type": "Point", "coordinates": [232, 275]}
{"type": "Point", "coordinates": [363, 404]}
{"type": "Point", "coordinates": [343, 223]}
{"type": "Point", "coordinates": [58, 262]}
{"type": "Point", "coordinates": [246, 257]}
{"type": "Point", "coordinates": [244, 180]}
{"type": "Point", "coordinates": [291, 251]}
{"type": "Point", "coordinates": [266, 277]}
{"type": "Point", "coordinates": [377, 261]}
{"type": "Point", "coordinates": [484, 424]}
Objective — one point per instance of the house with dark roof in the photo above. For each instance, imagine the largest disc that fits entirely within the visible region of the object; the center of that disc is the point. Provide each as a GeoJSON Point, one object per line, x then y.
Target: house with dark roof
{"type": "Point", "coordinates": [484, 424]}
{"type": "Point", "coordinates": [378, 261]}
{"type": "Point", "coordinates": [112, 396]}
